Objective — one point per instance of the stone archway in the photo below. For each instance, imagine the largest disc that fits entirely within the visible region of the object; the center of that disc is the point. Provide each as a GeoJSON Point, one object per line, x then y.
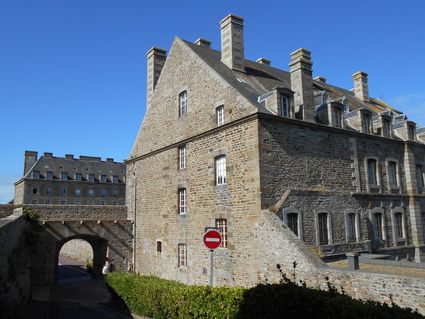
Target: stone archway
{"type": "Point", "coordinates": [99, 246]}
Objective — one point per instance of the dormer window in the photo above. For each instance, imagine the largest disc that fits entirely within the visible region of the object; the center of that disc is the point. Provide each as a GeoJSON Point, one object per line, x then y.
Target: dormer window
{"type": "Point", "coordinates": [366, 123]}
{"type": "Point", "coordinates": [284, 106]}
{"type": "Point", "coordinates": [35, 174]}
{"type": "Point", "coordinates": [78, 176]}
{"type": "Point", "coordinates": [91, 178]}
{"type": "Point", "coordinates": [64, 176]}
{"type": "Point", "coordinates": [183, 103]}
{"type": "Point", "coordinates": [49, 175]}
{"type": "Point", "coordinates": [337, 116]}
{"type": "Point", "coordinates": [411, 131]}
{"type": "Point", "coordinates": [386, 128]}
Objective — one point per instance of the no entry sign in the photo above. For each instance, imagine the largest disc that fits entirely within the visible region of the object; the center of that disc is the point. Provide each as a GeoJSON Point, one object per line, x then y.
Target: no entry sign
{"type": "Point", "coordinates": [212, 239]}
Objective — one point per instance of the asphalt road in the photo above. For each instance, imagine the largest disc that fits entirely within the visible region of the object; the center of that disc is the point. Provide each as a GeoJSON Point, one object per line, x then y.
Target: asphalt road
{"type": "Point", "coordinates": [76, 296]}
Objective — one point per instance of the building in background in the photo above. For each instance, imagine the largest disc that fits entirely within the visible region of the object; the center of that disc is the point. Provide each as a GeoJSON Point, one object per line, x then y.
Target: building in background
{"type": "Point", "coordinates": [236, 144]}
{"type": "Point", "coordinates": [86, 180]}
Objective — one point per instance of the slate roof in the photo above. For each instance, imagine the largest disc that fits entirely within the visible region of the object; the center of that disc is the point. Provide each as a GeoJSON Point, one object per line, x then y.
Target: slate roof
{"type": "Point", "coordinates": [84, 165]}
{"type": "Point", "coordinates": [260, 78]}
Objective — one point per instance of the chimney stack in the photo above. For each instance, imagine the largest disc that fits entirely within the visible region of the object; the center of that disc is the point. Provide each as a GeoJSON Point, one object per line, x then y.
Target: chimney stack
{"type": "Point", "coordinates": [302, 83]}
{"type": "Point", "coordinates": [155, 60]}
{"type": "Point", "coordinates": [232, 51]}
{"type": "Point", "coordinates": [30, 159]}
{"type": "Point", "coordinates": [361, 89]}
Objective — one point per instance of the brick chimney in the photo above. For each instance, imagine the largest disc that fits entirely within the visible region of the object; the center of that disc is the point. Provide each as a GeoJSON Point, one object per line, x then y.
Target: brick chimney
{"type": "Point", "coordinates": [155, 60]}
{"type": "Point", "coordinates": [232, 51]}
{"type": "Point", "coordinates": [302, 83]}
{"type": "Point", "coordinates": [30, 159]}
{"type": "Point", "coordinates": [361, 89]}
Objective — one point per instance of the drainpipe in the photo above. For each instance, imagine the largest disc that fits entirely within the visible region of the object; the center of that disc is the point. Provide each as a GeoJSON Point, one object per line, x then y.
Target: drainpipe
{"type": "Point", "coordinates": [134, 222]}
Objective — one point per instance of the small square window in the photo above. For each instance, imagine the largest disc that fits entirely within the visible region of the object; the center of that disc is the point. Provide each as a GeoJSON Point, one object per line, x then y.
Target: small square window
{"type": "Point", "coordinates": [35, 191]}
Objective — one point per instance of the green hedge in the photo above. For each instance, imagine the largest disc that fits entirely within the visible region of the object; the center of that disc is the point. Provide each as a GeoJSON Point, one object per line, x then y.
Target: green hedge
{"type": "Point", "coordinates": [158, 298]}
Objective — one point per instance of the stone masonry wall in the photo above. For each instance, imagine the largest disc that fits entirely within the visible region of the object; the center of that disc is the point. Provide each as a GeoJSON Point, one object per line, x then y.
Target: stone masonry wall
{"type": "Point", "coordinates": [78, 249]}
{"type": "Point", "coordinates": [237, 201]}
{"type": "Point", "coordinates": [14, 267]}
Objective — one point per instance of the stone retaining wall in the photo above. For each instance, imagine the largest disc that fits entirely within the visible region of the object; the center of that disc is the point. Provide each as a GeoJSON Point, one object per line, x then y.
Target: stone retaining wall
{"type": "Point", "coordinates": [14, 267]}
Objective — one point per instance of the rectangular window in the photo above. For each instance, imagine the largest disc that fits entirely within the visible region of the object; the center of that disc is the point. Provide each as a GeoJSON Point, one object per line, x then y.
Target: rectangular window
{"type": "Point", "coordinates": [115, 193]}
{"type": "Point", "coordinates": [366, 123]}
{"type": "Point", "coordinates": [63, 202]}
{"type": "Point", "coordinates": [323, 228]}
{"type": "Point", "coordinates": [114, 179]}
{"type": "Point", "coordinates": [103, 178]}
{"type": "Point", "coordinates": [49, 175]}
{"type": "Point", "coordinates": [91, 178]}
{"type": "Point", "coordinates": [35, 174]}
{"type": "Point", "coordinates": [371, 171]}
{"type": "Point", "coordinates": [351, 227]}
{"type": "Point", "coordinates": [386, 128]}
{"type": "Point", "coordinates": [221, 224]}
{"type": "Point", "coordinates": [182, 257]}
{"type": "Point", "coordinates": [398, 225]}
{"type": "Point", "coordinates": [159, 246]}
{"type": "Point", "coordinates": [91, 192]}
{"type": "Point", "coordinates": [219, 114]}
{"type": "Point", "coordinates": [293, 222]}
{"type": "Point", "coordinates": [103, 192]}
{"type": "Point", "coordinates": [392, 173]}
{"type": "Point", "coordinates": [284, 106]}
{"type": "Point", "coordinates": [78, 176]}
{"type": "Point", "coordinates": [102, 202]}
{"type": "Point", "coordinates": [77, 192]}
{"type": "Point", "coordinates": [220, 170]}
{"type": "Point", "coordinates": [411, 131]}
{"type": "Point", "coordinates": [35, 191]}
{"type": "Point", "coordinates": [183, 103]}
{"type": "Point", "coordinates": [337, 117]}
{"type": "Point", "coordinates": [64, 176]}
{"type": "Point", "coordinates": [64, 191]}
{"type": "Point", "coordinates": [182, 201]}
{"type": "Point", "coordinates": [48, 191]}
{"type": "Point", "coordinates": [377, 225]}
{"type": "Point", "coordinates": [182, 157]}
{"type": "Point", "coordinates": [34, 202]}
{"type": "Point", "coordinates": [114, 202]}
{"type": "Point", "coordinates": [419, 177]}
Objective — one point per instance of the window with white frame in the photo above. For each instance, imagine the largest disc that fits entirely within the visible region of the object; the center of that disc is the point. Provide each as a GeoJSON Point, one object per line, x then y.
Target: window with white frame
{"type": "Point", "coordinates": [284, 106]}
{"type": "Point", "coordinates": [182, 157]}
{"type": "Point", "coordinates": [292, 222]}
{"type": "Point", "coordinates": [182, 195]}
{"type": "Point", "coordinates": [351, 227]}
{"type": "Point", "coordinates": [220, 170]}
{"type": "Point", "coordinates": [182, 255]}
{"type": "Point", "coordinates": [371, 171]}
{"type": "Point", "coordinates": [399, 225]}
{"type": "Point", "coordinates": [219, 115]}
{"type": "Point", "coordinates": [221, 224]}
{"type": "Point", "coordinates": [183, 103]}
{"type": "Point", "coordinates": [392, 174]}
{"type": "Point", "coordinates": [377, 225]}
{"type": "Point", "coordinates": [323, 221]}
{"type": "Point", "coordinates": [419, 177]}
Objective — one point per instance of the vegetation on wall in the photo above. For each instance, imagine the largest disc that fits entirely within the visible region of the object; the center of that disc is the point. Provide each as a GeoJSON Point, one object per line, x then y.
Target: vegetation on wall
{"type": "Point", "coordinates": [159, 298]}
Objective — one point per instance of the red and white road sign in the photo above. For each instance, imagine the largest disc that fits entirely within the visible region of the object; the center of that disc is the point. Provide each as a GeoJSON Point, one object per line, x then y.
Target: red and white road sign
{"type": "Point", "coordinates": [212, 239]}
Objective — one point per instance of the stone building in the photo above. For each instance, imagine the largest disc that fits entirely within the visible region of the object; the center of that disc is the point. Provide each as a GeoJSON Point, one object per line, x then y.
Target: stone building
{"type": "Point", "coordinates": [228, 142]}
{"type": "Point", "coordinates": [86, 180]}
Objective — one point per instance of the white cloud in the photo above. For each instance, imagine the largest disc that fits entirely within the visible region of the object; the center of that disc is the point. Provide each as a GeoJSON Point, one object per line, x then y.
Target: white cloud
{"type": "Point", "coordinates": [7, 188]}
{"type": "Point", "coordinates": [413, 105]}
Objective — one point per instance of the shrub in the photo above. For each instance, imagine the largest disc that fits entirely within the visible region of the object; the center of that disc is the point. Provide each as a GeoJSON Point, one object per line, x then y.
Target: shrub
{"type": "Point", "coordinates": [165, 299]}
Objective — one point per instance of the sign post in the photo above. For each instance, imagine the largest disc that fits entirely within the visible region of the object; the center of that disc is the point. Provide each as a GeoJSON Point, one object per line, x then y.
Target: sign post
{"type": "Point", "coordinates": [212, 240]}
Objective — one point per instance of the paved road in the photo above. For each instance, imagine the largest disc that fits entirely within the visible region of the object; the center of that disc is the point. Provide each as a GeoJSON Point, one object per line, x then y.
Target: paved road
{"type": "Point", "coordinates": [76, 296]}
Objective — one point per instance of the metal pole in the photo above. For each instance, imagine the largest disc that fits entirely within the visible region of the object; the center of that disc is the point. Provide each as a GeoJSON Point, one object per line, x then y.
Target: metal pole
{"type": "Point", "coordinates": [210, 266]}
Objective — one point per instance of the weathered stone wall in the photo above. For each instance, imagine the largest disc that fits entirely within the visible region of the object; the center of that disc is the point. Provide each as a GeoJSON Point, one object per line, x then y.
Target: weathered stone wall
{"type": "Point", "coordinates": [205, 91]}
{"type": "Point", "coordinates": [78, 249]}
{"type": "Point", "coordinates": [237, 201]}
{"type": "Point", "coordinates": [6, 210]}
{"type": "Point", "coordinates": [14, 267]}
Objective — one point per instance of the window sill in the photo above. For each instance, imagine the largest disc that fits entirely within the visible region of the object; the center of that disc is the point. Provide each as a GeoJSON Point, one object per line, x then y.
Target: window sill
{"type": "Point", "coordinates": [182, 215]}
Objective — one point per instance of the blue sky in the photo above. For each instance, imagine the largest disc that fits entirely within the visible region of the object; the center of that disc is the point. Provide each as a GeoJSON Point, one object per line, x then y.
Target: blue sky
{"type": "Point", "coordinates": [73, 73]}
